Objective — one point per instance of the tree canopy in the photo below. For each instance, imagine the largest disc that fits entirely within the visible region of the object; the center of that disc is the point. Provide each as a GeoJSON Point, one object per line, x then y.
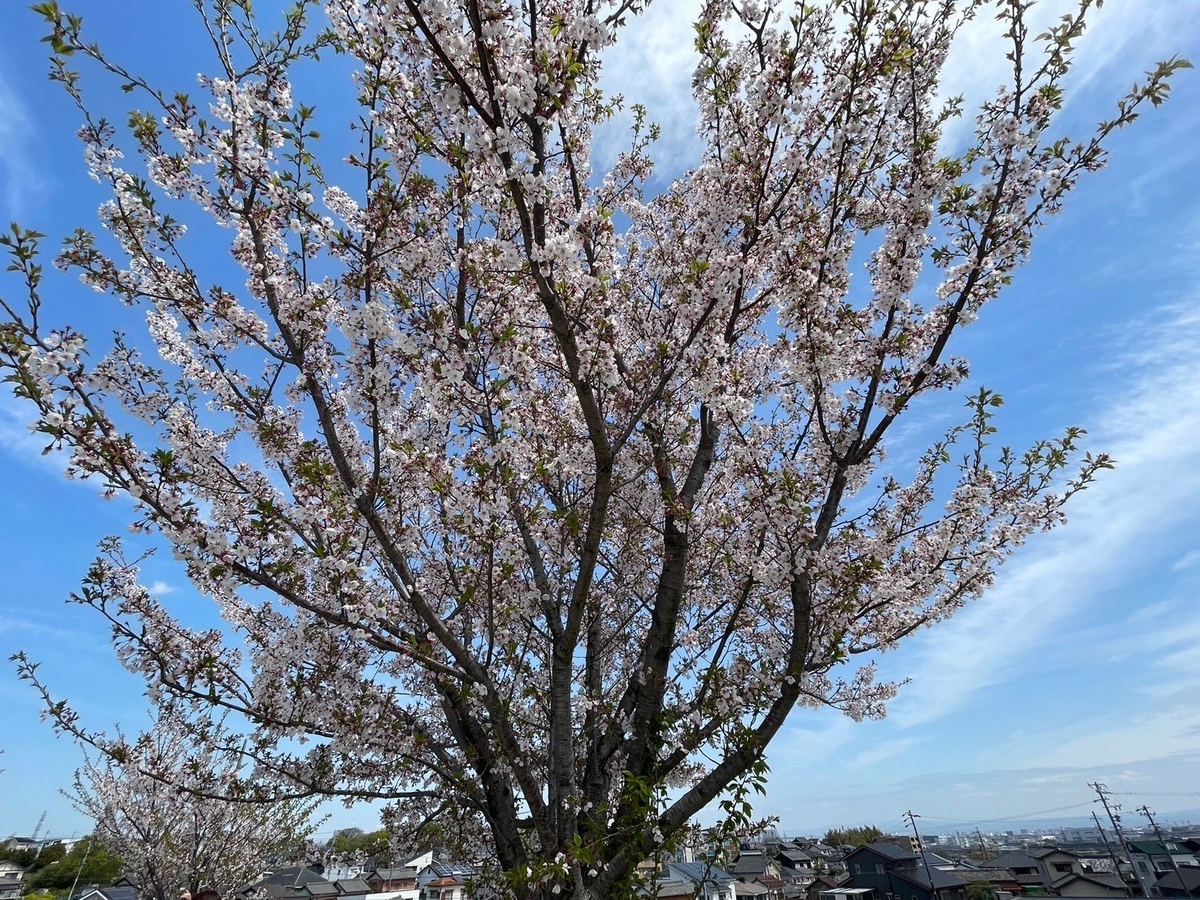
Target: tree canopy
{"type": "Point", "coordinates": [855, 837]}
{"type": "Point", "coordinates": [55, 871]}
{"type": "Point", "coordinates": [537, 497]}
{"type": "Point", "coordinates": [161, 803]}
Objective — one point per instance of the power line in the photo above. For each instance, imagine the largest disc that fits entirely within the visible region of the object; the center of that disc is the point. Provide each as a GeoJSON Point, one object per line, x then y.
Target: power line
{"type": "Point", "coordinates": [1013, 818]}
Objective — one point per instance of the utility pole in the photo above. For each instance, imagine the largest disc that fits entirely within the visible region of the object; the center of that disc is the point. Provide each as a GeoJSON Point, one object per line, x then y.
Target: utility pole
{"type": "Point", "coordinates": [1111, 853]}
{"type": "Point", "coordinates": [912, 820]}
{"type": "Point", "coordinates": [1145, 811]}
{"type": "Point", "coordinates": [982, 846]}
{"type": "Point", "coordinates": [1102, 793]}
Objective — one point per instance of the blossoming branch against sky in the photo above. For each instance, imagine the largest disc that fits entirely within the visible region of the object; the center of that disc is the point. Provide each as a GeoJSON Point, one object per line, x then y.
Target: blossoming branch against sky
{"type": "Point", "coordinates": [1080, 664]}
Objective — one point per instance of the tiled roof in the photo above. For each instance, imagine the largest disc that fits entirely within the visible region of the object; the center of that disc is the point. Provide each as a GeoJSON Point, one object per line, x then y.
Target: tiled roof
{"type": "Point", "coordinates": [940, 879]}
{"type": "Point", "coordinates": [700, 873]}
{"type": "Point", "coordinates": [1012, 860]}
{"type": "Point", "coordinates": [883, 848]}
{"type": "Point", "coordinates": [450, 870]}
{"type": "Point", "coordinates": [1191, 880]}
{"type": "Point", "coordinates": [1104, 879]}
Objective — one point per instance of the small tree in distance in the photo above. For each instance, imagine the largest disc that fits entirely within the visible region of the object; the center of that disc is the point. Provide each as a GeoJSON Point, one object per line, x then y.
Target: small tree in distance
{"type": "Point", "coordinates": [87, 862]}
{"type": "Point", "coordinates": [536, 503]}
{"type": "Point", "coordinates": [857, 836]}
{"type": "Point", "coordinates": [160, 803]}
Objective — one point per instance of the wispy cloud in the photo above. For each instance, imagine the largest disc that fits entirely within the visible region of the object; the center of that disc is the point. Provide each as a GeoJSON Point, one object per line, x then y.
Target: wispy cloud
{"type": "Point", "coordinates": [20, 175]}
{"type": "Point", "coordinates": [652, 64]}
{"type": "Point", "coordinates": [1122, 40]}
{"type": "Point", "coordinates": [1155, 486]}
{"type": "Point", "coordinates": [19, 440]}
{"type": "Point", "coordinates": [1187, 561]}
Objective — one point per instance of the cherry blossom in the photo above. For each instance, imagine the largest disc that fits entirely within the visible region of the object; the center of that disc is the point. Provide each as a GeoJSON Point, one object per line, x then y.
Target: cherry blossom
{"type": "Point", "coordinates": [535, 499]}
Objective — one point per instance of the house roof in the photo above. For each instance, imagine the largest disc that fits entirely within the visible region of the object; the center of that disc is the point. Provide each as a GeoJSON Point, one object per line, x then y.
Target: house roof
{"type": "Point", "coordinates": [1043, 852]}
{"type": "Point", "coordinates": [750, 889]}
{"type": "Point", "coordinates": [699, 873]}
{"type": "Point", "coordinates": [681, 879]}
{"type": "Point", "coordinates": [934, 860]}
{"type": "Point", "coordinates": [1190, 875]}
{"type": "Point", "coordinates": [886, 850]}
{"type": "Point", "coordinates": [991, 876]}
{"type": "Point", "coordinates": [290, 881]}
{"type": "Point", "coordinates": [393, 873]}
{"type": "Point", "coordinates": [793, 857]}
{"type": "Point", "coordinates": [748, 864]}
{"type": "Point", "coordinates": [1156, 848]}
{"type": "Point", "coordinates": [321, 888]}
{"type": "Point", "coordinates": [352, 886]}
{"type": "Point", "coordinates": [1014, 859]}
{"type": "Point", "coordinates": [1102, 879]}
{"type": "Point", "coordinates": [940, 879]}
{"type": "Point", "coordinates": [449, 870]}
{"type": "Point", "coordinates": [108, 893]}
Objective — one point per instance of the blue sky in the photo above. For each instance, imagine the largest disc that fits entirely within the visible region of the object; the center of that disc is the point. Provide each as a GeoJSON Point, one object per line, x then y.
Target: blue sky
{"type": "Point", "coordinates": [1081, 664]}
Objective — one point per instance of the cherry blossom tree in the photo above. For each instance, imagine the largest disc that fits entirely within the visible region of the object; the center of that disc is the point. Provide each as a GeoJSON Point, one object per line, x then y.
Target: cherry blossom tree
{"type": "Point", "coordinates": [160, 804]}
{"type": "Point", "coordinates": [536, 497]}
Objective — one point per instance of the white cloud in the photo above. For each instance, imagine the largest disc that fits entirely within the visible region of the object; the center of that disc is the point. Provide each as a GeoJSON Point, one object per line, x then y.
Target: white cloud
{"type": "Point", "coordinates": [1113, 526]}
{"type": "Point", "coordinates": [1187, 561]}
{"type": "Point", "coordinates": [17, 439]}
{"type": "Point", "coordinates": [1121, 41]}
{"type": "Point", "coordinates": [652, 64]}
{"type": "Point", "coordinates": [20, 175]}
{"type": "Point", "coordinates": [654, 58]}
{"type": "Point", "coordinates": [161, 589]}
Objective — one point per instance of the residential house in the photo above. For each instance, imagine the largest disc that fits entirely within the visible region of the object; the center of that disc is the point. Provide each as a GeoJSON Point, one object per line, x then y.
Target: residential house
{"type": "Point", "coordinates": [11, 875]}
{"type": "Point", "coordinates": [1091, 884]}
{"type": "Point", "coordinates": [1152, 859]}
{"type": "Point", "coordinates": [1056, 864]}
{"type": "Point", "coordinates": [751, 864]}
{"type": "Point", "coordinates": [999, 881]}
{"type": "Point", "coordinates": [750, 891]}
{"type": "Point", "coordinates": [843, 892]}
{"type": "Point", "coordinates": [352, 888]}
{"type": "Point", "coordinates": [92, 892]}
{"type": "Point", "coordinates": [700, 881]}
{"type": "Point", "coordinates": [444, 881]}
{"type": "Point", "coordinates": [824, 884]}
{"type": "Point", "coordinates": [831, 856]}
{"type": "Point", "coordinates": [895, 873]}
{"type": "Point", "coordinates": [319, 889]}
{"type": "Point", "coordinates": [798, 866]}
{"type": "Point", "coordinates": [399, 880]}
{"type": "Point", "coordinates": [291, 883]}
{"type": "Point", "coordinates": [1185, 884]}
{"type": "Point", "coordinates": [1025, 869]}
